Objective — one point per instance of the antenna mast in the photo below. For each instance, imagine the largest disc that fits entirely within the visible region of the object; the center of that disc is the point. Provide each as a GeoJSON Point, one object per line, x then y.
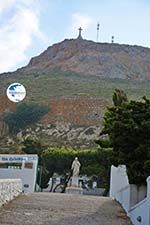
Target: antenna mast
{"type": "Point", "coordinates": [112, 39]}
{"type": "Point", "coordinates": [98, 32]}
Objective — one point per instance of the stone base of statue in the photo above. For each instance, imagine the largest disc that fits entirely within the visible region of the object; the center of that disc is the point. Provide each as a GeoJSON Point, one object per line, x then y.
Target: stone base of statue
{"type": "Point", "coordinates": [74, 187]}
{"type": "Point", "coordinates": [74, 190]}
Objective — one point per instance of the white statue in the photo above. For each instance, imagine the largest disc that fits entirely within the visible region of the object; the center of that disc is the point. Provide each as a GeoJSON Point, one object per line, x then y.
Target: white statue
{"type": "Point", "coordinates": [75, 167]}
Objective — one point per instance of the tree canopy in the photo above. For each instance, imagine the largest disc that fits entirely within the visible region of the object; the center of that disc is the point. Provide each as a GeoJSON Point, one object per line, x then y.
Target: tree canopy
{"type": "Point", "coordinates": [128, 126]}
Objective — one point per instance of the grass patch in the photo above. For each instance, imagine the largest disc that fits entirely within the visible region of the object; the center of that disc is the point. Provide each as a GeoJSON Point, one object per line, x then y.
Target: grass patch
{"type": "Point", "coordinates": [57, 83]}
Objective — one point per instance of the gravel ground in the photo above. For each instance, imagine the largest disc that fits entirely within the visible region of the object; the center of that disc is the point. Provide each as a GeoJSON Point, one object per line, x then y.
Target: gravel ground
{"type": "Point", "coordinates": [62, 209]}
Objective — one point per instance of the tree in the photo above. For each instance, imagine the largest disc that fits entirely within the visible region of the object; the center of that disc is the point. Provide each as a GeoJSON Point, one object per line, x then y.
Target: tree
{"type": "Point", "coordinates": [25, 114]}
{"type": "Point", "coordinates": [119, 97]}
{"type": "Point", "coordinates": [43, 177]}
{"type": "Point", "coordinates": [128, 127]}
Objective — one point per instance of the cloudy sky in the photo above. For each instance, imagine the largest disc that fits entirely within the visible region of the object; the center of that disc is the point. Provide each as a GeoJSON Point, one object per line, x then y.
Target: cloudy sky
{"type": "Point", "coordinates": [28, 27]}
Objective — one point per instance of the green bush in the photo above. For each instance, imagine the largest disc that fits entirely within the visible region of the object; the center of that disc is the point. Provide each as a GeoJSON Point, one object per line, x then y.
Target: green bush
{"type": "Point", "coordinates": [25, 114]}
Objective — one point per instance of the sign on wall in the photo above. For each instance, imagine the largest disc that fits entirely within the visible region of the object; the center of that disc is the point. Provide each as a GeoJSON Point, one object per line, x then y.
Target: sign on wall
{"type": "Point", "coordinates": [20, 166]}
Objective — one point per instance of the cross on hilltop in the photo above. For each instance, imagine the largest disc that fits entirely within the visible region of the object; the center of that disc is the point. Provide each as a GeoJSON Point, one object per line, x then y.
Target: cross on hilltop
{"type": "Point", "coordinates": [80, 36]}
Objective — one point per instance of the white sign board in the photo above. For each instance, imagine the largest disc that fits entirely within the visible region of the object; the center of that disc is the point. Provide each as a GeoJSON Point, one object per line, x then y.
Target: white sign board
{"type": "Point", "coordinates": [20, 166]}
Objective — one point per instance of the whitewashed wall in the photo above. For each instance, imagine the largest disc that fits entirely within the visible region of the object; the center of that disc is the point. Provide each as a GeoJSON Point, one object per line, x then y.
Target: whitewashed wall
{"type": "Point", "coordinates": [133, 199]}
{"type": "Point", "coordinates": [140, 213]}
{"type": "Point", "coordinates": [119, 185]}
{"type": "Point", "coordinates": [9, 188]}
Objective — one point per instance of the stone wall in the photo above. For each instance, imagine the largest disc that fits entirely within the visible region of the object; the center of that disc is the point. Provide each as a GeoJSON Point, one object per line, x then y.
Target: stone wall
{"type": "Point", "coordinates": [9, 188]}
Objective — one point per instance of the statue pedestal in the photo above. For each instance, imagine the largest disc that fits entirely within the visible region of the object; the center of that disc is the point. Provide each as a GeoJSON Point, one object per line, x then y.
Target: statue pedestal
{"type": "Point", "coordinates": [75, 181]}
{"type": "Point", "coordinates": [74, 190]}
{"type": "Point", "coordinates": [74, 187]}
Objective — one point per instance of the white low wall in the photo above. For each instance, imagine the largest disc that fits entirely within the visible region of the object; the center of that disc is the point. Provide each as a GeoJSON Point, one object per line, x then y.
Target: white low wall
{"type": "Point", "coordinates": [9, 188]}
{"type": "Point", "coordinates": [123, 196]}
{"type": "Point", "coordinates": [140, 213]}
{"type": "Point", "coordinates": [135, 201]}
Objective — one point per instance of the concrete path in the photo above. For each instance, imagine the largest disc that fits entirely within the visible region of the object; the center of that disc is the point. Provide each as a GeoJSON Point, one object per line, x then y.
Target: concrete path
{"type": "Point", "coordinates": [62, 209]}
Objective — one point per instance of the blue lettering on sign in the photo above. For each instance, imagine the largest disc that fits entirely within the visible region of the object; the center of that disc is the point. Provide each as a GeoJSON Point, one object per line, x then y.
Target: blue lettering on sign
{"type": "Point", "coordinates": [4, 159]}
{"type": "Point", "coordinates": [11, 159]}
{"type": "Point", "coordinates": [16, 159]}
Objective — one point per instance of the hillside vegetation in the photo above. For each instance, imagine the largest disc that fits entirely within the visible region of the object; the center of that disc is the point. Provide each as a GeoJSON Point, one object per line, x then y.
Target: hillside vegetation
{"type": "Point", "coordinates": [57, 84]}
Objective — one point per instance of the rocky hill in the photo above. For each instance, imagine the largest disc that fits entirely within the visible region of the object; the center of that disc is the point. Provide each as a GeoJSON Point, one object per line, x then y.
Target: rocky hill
{"type": "Point", "coordinates": [95, 59]}
{"type": "Point", "coordinates": [76, 78]}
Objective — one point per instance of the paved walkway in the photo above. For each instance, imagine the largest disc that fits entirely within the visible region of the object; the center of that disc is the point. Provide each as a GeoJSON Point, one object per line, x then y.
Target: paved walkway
{"type": "Point", "coordinates": [62, 209]}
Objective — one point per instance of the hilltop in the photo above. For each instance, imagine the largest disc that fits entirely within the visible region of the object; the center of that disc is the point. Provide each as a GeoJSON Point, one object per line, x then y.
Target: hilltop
{"type": "Point", "coordinates": [78, 67]}
{"type": "Point", "coordinates": [95, 59]}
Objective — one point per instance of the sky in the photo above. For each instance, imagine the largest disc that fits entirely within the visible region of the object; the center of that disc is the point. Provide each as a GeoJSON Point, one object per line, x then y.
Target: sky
{"type": "Point", "coordinates": [28, 27]}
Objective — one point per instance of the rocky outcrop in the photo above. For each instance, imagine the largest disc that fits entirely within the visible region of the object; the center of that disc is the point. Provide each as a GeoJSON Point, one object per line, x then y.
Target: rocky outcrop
{"type": "Point", "coordinates": [63, 134]}
{"type": "Point", "coordinates": [95, 59]}
{"type": "Point", "coordinates": [58, 134]}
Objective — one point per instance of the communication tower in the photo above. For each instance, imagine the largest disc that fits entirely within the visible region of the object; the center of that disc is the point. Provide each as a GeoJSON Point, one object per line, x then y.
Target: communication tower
{"type": "Point", "coordinates": [97, 38]}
